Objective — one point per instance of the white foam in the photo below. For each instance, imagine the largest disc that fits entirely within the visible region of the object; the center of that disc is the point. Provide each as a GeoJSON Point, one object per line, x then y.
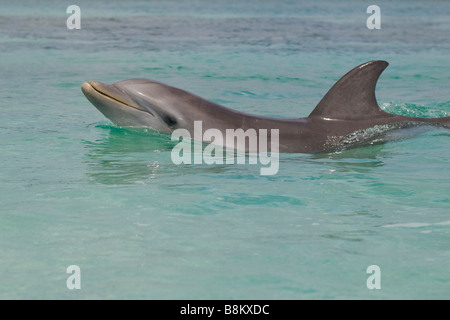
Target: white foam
{"type": "Point", "coordinates": [416, 224]}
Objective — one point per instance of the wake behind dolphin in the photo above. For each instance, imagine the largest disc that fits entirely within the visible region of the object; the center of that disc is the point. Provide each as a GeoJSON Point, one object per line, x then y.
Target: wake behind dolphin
{"type": "Point", "coordinates": [349, 108]}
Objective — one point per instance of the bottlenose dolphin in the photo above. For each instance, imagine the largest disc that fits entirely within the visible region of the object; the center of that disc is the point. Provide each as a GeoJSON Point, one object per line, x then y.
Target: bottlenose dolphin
{"type": "Point", "coordinates": [343, 118]}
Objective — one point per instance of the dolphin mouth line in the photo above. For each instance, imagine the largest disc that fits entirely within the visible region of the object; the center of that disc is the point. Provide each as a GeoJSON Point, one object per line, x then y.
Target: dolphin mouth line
{"type": "Point", "coordinates": [105, 94]}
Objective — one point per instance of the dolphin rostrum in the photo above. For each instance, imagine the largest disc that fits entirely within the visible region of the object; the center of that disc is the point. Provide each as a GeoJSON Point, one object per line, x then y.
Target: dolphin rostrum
{"type": "Point", "coordinates": [343, 118]}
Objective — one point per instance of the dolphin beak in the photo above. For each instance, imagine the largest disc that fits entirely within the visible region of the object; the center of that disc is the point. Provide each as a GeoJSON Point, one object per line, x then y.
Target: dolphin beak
{"type": "Point", "coordinates": [117, 105]}
{"type": "Point", "coordinates": [91, 89]}
{"type": "Point", "coordinates": [123, 106]}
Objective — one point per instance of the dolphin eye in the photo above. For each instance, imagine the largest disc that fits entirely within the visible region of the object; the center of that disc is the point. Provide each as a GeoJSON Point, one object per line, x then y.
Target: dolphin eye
{"type": "Point", "coordinates": [169, 120]}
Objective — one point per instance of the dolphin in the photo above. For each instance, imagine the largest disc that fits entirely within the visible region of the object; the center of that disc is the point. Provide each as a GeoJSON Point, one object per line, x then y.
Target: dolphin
{"type": "Point", "coordinates": [348, 115]}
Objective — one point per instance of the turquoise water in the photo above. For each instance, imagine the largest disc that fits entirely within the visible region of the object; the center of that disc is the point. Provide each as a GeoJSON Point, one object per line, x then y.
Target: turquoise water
{"type": "Point", "coordinates": [76, 190]}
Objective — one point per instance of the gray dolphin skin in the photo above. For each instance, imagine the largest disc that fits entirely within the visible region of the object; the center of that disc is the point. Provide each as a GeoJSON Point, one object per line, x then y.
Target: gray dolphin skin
{"type": "Point", "coordinates": [342, 118]}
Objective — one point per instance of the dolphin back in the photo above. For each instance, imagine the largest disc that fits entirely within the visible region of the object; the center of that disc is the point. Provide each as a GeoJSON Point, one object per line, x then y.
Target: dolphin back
{"type": "Point", "coordinates": [445, 122]}
{"type": "Point", "coordinates": [353, 96]}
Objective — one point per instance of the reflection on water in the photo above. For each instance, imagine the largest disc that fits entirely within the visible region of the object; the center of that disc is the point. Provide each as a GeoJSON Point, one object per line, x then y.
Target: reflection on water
{"type": "Point", "coordinates": [135, 156]}
{"type": "Point", "coordinates": [357, 160]}
{"type": "Point", "coordinates": [127, 156]}
{"type": "Point", "coordinates": [121, 140]}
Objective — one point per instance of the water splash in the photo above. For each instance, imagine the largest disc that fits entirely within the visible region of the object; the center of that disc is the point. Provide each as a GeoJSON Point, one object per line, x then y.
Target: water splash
{"type": "Point", "coordinates": [415, 110]}
{"type": "Point", "coordinates": [416, 224]}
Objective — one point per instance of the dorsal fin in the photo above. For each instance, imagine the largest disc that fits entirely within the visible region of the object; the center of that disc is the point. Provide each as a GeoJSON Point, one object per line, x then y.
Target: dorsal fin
{"type": "Point", "coordinates": [353, 96]}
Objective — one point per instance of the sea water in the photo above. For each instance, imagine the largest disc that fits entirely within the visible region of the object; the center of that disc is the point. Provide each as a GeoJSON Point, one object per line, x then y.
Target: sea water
{"type": "Point", "coordinates": [75, 190]}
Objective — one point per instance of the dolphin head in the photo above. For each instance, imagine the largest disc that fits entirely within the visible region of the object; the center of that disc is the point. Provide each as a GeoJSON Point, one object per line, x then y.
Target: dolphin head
{"type": "Point", "coordinates": [137, 103]}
